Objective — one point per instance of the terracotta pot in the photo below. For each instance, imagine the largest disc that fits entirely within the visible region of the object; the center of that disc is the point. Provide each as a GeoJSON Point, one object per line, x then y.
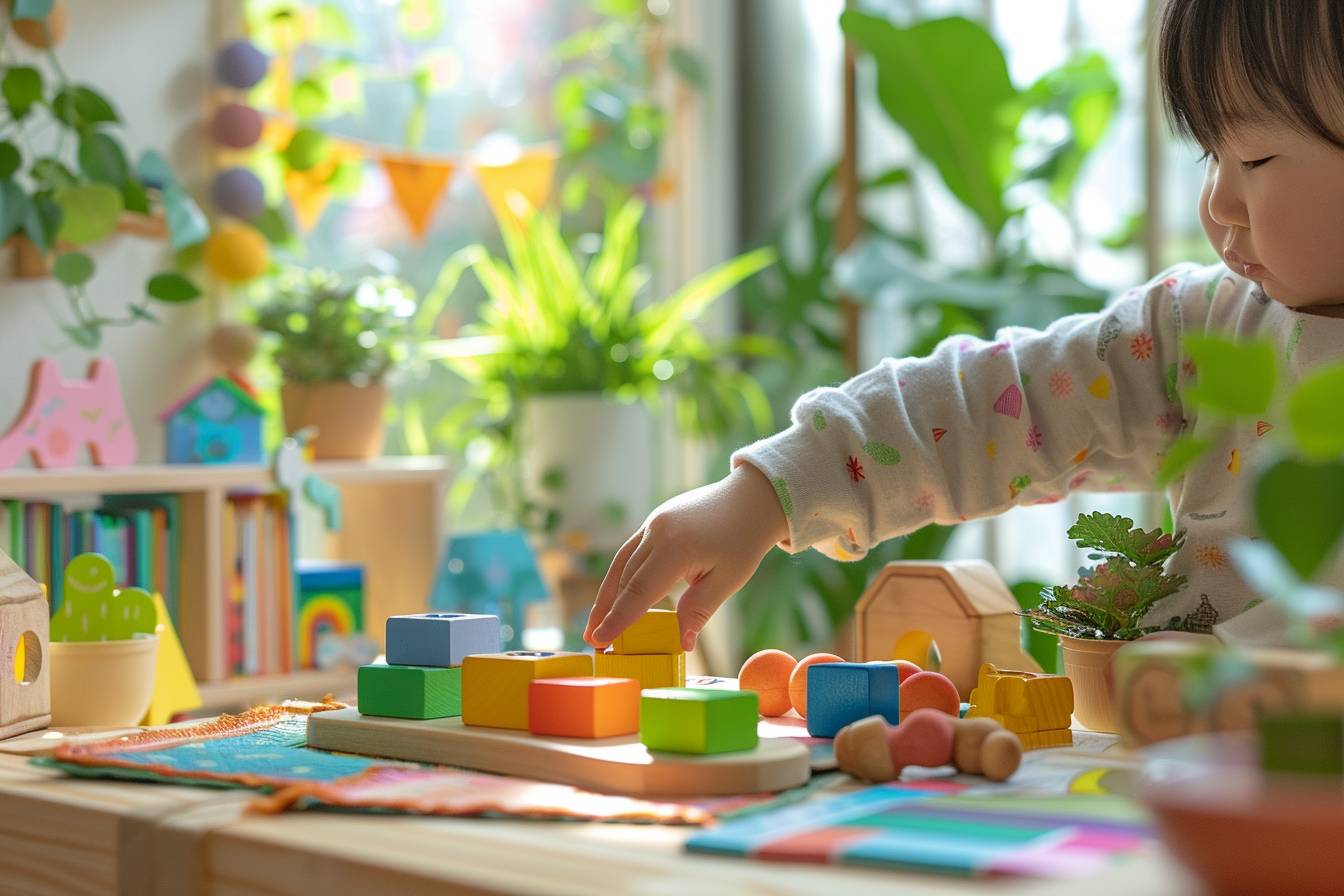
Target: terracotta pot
{"type": "Point", "coordinates": [29, 262]}
{"type": "Point", "coordinates": [103, 683]}
{"type": "Point", "coordinates": [348, 418]}
{"type": "Point", "coordinates": [1088, 664]}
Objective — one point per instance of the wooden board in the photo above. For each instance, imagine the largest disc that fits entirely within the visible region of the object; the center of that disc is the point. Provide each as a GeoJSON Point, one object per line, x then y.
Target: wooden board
{"type": "Point", "coordinates": [611, 765]}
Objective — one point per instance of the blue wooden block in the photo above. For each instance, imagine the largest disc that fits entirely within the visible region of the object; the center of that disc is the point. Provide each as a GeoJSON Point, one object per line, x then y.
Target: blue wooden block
{"type": "Point", "coordinates": [440, 639]}
{"type": "Point", "coordinates": [841, 693]}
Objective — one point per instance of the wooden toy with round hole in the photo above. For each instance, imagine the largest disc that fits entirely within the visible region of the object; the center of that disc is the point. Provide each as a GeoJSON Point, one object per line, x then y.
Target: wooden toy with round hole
{"type": "Point", "coordinates": [25, 683]}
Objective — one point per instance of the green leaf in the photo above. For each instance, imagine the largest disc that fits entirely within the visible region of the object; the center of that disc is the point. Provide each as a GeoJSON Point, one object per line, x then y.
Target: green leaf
{"type": "Point", "coordinates": [22, 89]}
{"type": "Point", "coordinates": [1314, 412]}
{"type": "Point", "coordinates": [73, 268]}
{"type": "Point", "coordinates": [1117, 535]}
{"type": "Point", "coordinates": [946, 84]}
{"type": "Point", "coordinates": [10, 160]}
{"type": "Point", "coordinates": [1232, 378]}
{"type": "Point", "coordinates": [1183, 452]}
{"type": "Point", "coordinates": [272, 224]}
{"type": "Point", "coordinates": [154, 170]}
{"type": "Point", "coordinates": [101, 158]}
{"type": "Point", "coordinates": [1265, 571]}
{"type": "Point", "coordinates": [172, 287]}
{"type": "Point", "coordinates": [689, 66]}
{"type": "Point", "coordinates": [50, 174]}
{"type": "Point", "coordinates": [143, 313]}
{"type": "Point", "coordinates": [134, 197]}
{"type": "Point", "coordinates": [42, 221]}
{"type": "Point", "coordinates": [15, 208]}
{"type": "Point", "coordinates": [306, 149]}
{"type": "Point", "coordinates": [89, 212]}
{"type": "Point", "coordinates": [1300, 509]}
{"type": "Point", "coordinates": [82, 107]}
{"type": "Point", "coordinates": [83, 335]}
{"type": "Point", "coordinates": [310, 99]}
{"type": "Point", "coordinates": [333, 27]}
{"type": "Point", "coordinates": [187, 225]}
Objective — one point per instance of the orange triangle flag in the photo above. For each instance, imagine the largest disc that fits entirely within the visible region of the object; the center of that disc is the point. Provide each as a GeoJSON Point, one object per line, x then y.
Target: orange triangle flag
{"type": "Point", "coordinates": [417, 184]}
{"type": "Point", "coordinates": [522, 184]}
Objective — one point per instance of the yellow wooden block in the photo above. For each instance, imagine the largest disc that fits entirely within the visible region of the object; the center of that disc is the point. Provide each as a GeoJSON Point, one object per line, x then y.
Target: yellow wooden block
{"type": "Point", "coordinates": [1052, 737]}
{"type": "Point", "coordinates": [494, 685]}
{"type": "Point", "coordinates": [1022, 701]}
{"type": "Point", "coordinates": [653, 633]}
{"type": "Point", "coordinates": [651, 670]}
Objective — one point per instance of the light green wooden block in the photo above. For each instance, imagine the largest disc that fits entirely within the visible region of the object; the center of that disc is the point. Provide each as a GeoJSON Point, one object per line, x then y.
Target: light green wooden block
{"type": "Point", "coordinates": [698, 720]}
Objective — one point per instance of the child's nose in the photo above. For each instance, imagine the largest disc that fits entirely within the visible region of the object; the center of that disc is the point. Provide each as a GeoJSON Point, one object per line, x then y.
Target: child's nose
{"type": "Point", "coordinates": [1225, 203]}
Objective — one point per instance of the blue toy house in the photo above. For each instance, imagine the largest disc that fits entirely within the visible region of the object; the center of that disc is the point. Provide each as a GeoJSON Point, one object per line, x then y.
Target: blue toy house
{"type": "Point", "coordinates": [218, 422]}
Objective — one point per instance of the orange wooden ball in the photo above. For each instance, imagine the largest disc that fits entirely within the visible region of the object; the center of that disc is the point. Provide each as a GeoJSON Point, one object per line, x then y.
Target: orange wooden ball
{"type": "Point", "coordinates": [798, 679]}
{"type": "Point", "coordinates": [767, 673]}
{"type": "Point", "coordinates": [45, 33]}
{"type": "Point", "coordinates": [929, 690]}
{"type": "Point", "coordinates": [904, 669]}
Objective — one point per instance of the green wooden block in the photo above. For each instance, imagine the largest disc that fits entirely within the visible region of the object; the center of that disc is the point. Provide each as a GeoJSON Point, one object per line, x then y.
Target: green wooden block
{"type": "Point", "coordinates": [1302, 743]}
{"type": "Point", "coordinates": [410, 692]}
{"type": "Point", "coordinates": [697, 720]}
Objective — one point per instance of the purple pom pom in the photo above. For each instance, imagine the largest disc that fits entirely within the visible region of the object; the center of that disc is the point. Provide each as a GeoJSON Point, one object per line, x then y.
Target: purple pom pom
{"type": "Point", "coordinates": [238, 192]}
{"type": "Point", "coordinates": [241, 65]}
{"type": "Point", "coordinates": [236, 125]}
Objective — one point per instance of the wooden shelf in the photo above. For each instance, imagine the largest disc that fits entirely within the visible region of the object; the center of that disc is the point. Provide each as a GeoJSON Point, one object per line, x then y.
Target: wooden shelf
{"type": "Point", "coordinates": [248, 692]}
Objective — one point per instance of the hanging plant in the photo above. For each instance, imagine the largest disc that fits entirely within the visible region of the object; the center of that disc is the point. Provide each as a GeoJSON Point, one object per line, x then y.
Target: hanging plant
{"type": "Point", "coordinates": [78, 188]}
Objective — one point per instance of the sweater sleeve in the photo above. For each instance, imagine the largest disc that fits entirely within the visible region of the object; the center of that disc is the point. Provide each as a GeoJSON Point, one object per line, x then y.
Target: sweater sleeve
{"type": "Point", "coordinates": [978, 427]}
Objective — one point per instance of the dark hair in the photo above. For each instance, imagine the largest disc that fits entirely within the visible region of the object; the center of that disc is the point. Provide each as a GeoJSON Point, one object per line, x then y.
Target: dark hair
{"type": "Point", "coordinates": [1228, 61]}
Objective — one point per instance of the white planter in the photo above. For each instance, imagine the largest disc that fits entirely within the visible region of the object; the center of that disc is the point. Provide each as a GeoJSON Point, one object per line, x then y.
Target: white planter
{"type": "Point", "coordinates": [591, 458]}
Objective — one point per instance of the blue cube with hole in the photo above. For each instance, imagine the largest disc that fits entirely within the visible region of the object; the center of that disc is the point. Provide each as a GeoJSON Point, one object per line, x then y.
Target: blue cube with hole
{"type": "Point", "coordinates": [440, 639]}
{"type": "Point", "coordinates": [841, 693]}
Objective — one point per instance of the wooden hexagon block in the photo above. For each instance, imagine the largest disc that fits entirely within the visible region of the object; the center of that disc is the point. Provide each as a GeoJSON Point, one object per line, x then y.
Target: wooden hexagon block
{"type": "Point", "coordinates": [583, 707]}
{"type": "Point", "coordinates": [440, 639]}
{"type": "Point", "coordinates": [651, 670]}
{"type": "Point", "coordinates": [698, 720]}
{"type": "Point", "coordinates": [495, 685]}
{"type": "Point", "coordinates": [654, 632]}
{"type": "Point", "coordinates": [410, 692]}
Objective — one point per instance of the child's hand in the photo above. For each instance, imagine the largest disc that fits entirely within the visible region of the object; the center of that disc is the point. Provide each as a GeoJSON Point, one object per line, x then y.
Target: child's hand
{"type": "Point", "coordinates": [713, 538]}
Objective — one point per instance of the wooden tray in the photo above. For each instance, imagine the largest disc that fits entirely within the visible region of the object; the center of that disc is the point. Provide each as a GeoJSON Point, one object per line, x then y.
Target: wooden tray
{"type": "Point", "coordinates": [611, 765]}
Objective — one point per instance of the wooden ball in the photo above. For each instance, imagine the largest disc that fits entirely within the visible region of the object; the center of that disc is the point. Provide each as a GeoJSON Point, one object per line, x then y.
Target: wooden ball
{"type": "Point", "coordinates": [798, 679]}
{"type": "Point", "coordinates": [767, 673]}
{"type": "Point", "coordinates": [234, 345]}
{"type": "Point", "coordinates": [1000, 755]}
{"type": "Point", "coordinates": [861, 750]}
{"type": "Point", "coordinates": [236, 125]}
{"type": "Point", "coordinates": [970, 735]}
{"type": "Point", "coordinates": [43, 33]}
{"type": "Point", "coordinates": [929, 690]}
{"type": "Point", "coordinates": [905, 668]}
{"type": "Point", "coordinates": [925, 737]}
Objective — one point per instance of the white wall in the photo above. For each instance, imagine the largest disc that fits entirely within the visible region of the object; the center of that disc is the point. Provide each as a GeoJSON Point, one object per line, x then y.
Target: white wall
{"type": "Point", "coordinates": [152, 59]}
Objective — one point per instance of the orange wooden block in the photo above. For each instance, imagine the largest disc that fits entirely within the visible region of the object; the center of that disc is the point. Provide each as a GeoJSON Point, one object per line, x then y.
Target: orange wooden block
{"type": "Point", "coordinates": [583, 707]}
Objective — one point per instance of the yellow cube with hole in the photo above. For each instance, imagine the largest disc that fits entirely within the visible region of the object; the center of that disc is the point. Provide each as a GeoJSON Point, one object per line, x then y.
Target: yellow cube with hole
{"type": "Point", "coordinates": [494, 685]}
{"type": "Point", "coordinates": [651, 670]}
{"type": "Point", "coordinates": [654, 632]}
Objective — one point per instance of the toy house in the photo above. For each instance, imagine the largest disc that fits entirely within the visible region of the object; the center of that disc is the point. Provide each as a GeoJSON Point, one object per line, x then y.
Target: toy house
{"type": "Point", "coordinates": [218, 422]}
{"type": "Point", "coordinates": [961, 606]}
{"type": "Point", "coordinates": [25, 693]}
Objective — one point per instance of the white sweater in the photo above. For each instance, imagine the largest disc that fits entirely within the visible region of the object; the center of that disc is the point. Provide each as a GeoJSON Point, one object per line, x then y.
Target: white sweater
{"type": "Point", "coordinates": [1091, 403]}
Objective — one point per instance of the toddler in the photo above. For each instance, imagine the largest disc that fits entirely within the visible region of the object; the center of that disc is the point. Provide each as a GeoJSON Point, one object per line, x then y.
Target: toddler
{"type": "Point", "coordinates": [1094, 401]}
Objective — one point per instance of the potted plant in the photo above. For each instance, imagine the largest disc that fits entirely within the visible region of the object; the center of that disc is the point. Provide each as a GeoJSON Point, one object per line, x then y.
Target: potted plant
{"type": "Point", "coordinates": [335, 339]}
{"type": "Point", "coordinates": [568, 356]}
{"type": "Point", "coordinates": [1104, 610]}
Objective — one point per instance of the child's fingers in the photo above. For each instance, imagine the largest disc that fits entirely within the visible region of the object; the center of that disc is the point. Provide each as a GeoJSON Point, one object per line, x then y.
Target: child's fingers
{"type": "Point", "coordinates": [700, 602]}
{"type": "Point", "coordinates": [643, 586]}
{"type": "Point", "coordinates": [606, 592]}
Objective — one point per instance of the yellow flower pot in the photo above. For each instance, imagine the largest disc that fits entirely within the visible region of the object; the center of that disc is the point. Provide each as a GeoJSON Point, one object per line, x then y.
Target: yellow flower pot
{"type": "Point", "coordinates": [103, 683]}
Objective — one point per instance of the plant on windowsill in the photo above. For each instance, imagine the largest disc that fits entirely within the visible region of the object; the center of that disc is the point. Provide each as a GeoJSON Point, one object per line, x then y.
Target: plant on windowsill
{"type": "Point", "coordinates": [335, 339]}
{"type": "Point", "coordinates": [1106, 608]}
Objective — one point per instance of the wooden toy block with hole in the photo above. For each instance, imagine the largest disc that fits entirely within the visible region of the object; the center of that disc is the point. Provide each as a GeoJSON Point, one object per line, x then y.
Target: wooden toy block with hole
{"type": "Point", "coordinates": [25, 683]}
{"type": "Point", "coordinates": [440, 639]}
{"type": "Point", "coordinates": [410, 692]}
{"type": "Point", "coordinates": [651, 670]}
{"type": "Point", "coordinates": [583, 707]}
{"type": "Point", "coordinates": [1035, 706]}
{"type": "Point", "coordinates": [841, 693]}
{"type": "Point", "coordinates": [495, 685]}
{"type": "Point", "coordinates": [698, 720]}
{"type": "Point", "coordinates": [654, 632]}
{"type": "Point", "coordinates": [962, 606]}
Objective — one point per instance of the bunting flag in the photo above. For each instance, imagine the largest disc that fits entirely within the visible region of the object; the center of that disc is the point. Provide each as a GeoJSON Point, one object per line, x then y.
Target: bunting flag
{"type": "Point", "coordinates": [417, 185]}
{"type": "Point", "coordinates": [517, 186]}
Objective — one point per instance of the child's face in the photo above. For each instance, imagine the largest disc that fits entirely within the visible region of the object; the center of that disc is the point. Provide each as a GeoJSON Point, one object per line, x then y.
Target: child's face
{"type": "Point", "coordinates": [1273, 208]}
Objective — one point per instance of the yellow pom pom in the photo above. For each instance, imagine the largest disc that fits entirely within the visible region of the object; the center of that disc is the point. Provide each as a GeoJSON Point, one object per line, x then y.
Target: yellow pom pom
{"type": "Point", "coordinates": [236, 253]}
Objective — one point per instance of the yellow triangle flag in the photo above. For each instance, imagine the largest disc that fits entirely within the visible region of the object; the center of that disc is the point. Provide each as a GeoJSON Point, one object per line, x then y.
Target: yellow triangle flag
{"type": "Point", "coordinates": [174, 685]}
{"type": "Point", "coordinates": [522, 184]}
{"type": "Point", "coordinates": [417, 184]}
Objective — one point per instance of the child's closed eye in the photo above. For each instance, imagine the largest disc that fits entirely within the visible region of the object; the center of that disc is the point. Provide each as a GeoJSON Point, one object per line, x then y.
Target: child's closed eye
{"type": "Point", "coordinates": [1255, 163]}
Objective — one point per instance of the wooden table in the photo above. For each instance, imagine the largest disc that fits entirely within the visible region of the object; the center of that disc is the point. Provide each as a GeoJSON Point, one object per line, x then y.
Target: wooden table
{"type": "Point", "coordinates": [62, 835]}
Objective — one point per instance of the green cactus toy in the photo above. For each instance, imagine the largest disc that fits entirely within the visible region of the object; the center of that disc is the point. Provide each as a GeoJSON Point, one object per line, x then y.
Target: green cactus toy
{"type": "Point", "coordinates": [94, 610]}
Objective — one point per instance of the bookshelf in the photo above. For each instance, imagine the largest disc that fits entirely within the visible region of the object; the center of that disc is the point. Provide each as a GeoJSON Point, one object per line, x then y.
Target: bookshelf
{"type": "Point", "coordinates": [393, 524]}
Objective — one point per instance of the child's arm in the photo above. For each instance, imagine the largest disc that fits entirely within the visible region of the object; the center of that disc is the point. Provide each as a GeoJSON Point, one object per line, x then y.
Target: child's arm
{"type": "Point", "coordinates": [978, 427]}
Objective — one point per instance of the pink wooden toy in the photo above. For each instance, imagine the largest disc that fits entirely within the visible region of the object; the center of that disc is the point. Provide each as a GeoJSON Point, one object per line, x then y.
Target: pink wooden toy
{"type": "Point", "coordinates": [59, 417]}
